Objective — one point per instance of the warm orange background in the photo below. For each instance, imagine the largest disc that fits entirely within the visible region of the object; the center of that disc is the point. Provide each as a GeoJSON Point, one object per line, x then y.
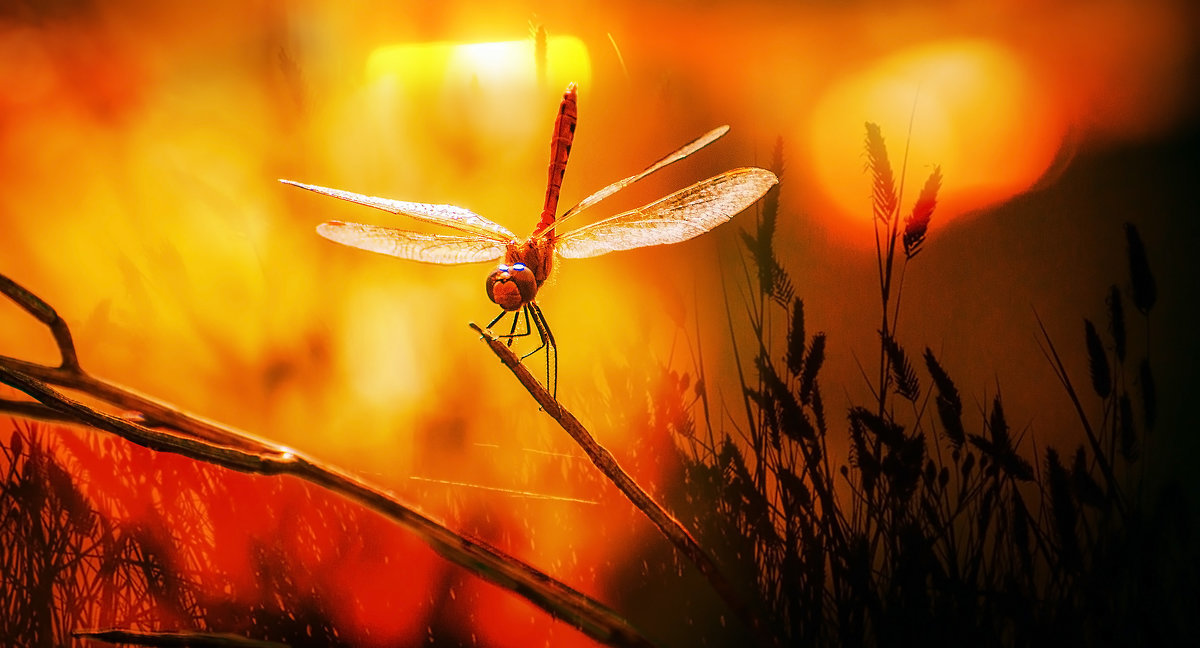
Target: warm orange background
{"type": "Point", "coordinates": [140, 143]}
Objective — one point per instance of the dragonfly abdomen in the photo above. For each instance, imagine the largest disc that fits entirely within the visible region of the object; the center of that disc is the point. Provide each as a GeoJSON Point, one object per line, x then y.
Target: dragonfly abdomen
{"type": "Point", "coordinates": [560, 150]}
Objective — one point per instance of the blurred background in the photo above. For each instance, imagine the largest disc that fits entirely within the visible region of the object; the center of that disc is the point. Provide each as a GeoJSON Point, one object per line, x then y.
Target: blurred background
{"type": "Point", "coordinates": [140, 143]}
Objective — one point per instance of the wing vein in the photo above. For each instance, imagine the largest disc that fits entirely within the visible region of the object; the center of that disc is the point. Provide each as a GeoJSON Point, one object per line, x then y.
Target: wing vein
{"type": "Point", "coordinates": [417, 246]}
{"type": "Point", "coordinates": [463, 220]}
{"type": "Point", "coordinates": [678, 217]}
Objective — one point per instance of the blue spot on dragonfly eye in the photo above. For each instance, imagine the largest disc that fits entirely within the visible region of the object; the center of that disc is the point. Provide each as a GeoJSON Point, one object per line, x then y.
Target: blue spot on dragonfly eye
{"type": "Point", "coordinates": [502, 268]}
{"type": "Point", "coordinates": [518, 266]}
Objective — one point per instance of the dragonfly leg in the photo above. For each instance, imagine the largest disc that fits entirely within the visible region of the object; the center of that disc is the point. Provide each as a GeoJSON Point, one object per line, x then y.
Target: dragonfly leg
{"type": "Point", "coordinates": [541, 334]}
{"type": "Point", "coordinates": [532, 312]}
{"type": "Point", "coordinates": [547, 338]}
{"type": "Point", "coordinates": [498, 318]}
{"type": "Point", "coordinates": [512, 333]}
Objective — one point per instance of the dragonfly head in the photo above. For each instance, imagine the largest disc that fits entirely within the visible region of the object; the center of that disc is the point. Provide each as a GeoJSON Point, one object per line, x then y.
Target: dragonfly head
{"type": "Point", "coordinates": [511, 286]}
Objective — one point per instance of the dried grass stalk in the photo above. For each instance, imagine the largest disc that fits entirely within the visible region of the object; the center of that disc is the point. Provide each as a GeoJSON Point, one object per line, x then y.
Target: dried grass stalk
{"type": "Point", "coordinates": [1145, 290]}
{"type": "Point", "coordinates": [917, 224]}
{"type": "Point", "coordinates": [812, 366]}
{"type": "Point", "coordinates": [1087, 490]}
{"type": "Point", "coordinates": [907, 385]}
{"type": "Point", "coordinates": [1097, 361]}
{"type": "Point", "coordinates": [949, 405]}
{"type": "Point", "coordinates": [796, 340]}
{"type": "Point", "coordinates": [884, 196]}
{"type": "Point", "coordinates": [1116, 321]}
{"type": "Point", "coordinates": [1064, 512]}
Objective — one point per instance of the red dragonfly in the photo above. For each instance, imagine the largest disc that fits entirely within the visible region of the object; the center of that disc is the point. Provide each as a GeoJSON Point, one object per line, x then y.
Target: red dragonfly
{"type": "Point", "coordinates": [527, 265]}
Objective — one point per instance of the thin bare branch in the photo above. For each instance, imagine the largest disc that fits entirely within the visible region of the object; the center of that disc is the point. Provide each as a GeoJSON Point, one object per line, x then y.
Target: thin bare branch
{"type": "Point", "coordinates": [604, 460]}
{"type": "Point", "coordinates": [33, 410]}
{"type": "Point", "coordinates": [166, 639]}
{"type": "Point", "coordinates": [45, 314]}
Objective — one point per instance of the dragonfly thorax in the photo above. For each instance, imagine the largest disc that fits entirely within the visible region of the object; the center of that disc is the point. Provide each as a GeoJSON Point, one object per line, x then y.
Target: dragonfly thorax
{"type": "Point", "coordinates": [511, 286]}
{"type": "Point", "coordinates": [536, 253]}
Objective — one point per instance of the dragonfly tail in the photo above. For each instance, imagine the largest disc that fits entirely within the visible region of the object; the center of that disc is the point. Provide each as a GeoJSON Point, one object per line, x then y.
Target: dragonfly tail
{"type": "Point", "coordinates": [560, 150]}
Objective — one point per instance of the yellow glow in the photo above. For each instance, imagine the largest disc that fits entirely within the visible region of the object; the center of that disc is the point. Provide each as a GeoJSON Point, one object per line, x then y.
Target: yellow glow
{"type": "Point", "coordinates": [485, 63]}
{"type": "Point", "coordinates": [499, 82]}
{"type": "Point", "coordinates": [378, 347]}
{"type": "Point", "coordinates": [506, 61]}
{"type": "Point", "coordinates": [974, 109]}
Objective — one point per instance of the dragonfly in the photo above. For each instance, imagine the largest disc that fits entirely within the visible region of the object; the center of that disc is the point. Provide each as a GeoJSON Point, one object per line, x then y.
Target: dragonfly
{"type": "Point", "coordinates": [527, 264]}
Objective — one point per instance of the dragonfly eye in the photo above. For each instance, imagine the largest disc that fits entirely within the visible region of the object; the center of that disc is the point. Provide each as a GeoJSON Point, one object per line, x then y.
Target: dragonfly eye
{"type": "Point", "coordinates": [511, 286]}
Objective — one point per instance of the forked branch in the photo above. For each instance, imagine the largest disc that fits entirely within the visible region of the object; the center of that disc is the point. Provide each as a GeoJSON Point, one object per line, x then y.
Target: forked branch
{"type": "Point", "coordinates": [236, 450]}
{"type": "Point", "coordinates": [69, 373]}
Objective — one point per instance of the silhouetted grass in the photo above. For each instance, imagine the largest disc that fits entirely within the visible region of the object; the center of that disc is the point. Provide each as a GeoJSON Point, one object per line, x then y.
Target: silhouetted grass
{"type": "Point", "coordinates": [934, 532]}
{"type": "Point", "coordinates": [100, 534]}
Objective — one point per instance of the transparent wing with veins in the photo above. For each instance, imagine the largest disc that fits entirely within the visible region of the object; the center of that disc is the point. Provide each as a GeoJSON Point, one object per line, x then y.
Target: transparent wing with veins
{"type": "Point", "coordinates": [429, 248]}
{"type": "Point", "coordinates": [678, 217]}
{"type": "Point", "coordinates": [675, 156]}
{"type": "Point", "coordinates": [463, 220]}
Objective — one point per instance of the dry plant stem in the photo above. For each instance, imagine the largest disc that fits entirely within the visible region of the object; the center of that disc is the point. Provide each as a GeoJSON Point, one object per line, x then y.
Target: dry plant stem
{"type": "Point", "coordinates": [235, 450]}
{"type": "Point", "coordinates": [194, 639]}
{"type": "Point", "coordinates": [1060, 372]}
{"type": "Point", "coordinates": [46, 315]}
{"type": "Point", "coordinates": [603, 459]}
{"type": "Point", "coordinates": [33, 410]}
{"type": "Point", "coordinates": [564, 602]}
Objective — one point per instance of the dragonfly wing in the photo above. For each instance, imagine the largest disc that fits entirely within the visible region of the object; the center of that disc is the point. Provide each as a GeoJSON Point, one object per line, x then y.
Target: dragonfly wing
{"type": "Point", "coordinates": [677, 155]}
{"type": "Point", "coordinates": [429, 248]}
{"type": "Point", "coordinates": [678, 217]}
{"type": "Point", "coordinates": [463, 220]}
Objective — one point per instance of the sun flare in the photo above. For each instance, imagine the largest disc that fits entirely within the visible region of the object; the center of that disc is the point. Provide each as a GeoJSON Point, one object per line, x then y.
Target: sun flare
{"type": "Point", "coordinates": [974, 109]}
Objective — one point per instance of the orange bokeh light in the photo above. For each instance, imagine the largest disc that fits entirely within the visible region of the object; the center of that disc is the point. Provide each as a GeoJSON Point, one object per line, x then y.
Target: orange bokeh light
{"type": "Point", "coordinates": [974, 109]}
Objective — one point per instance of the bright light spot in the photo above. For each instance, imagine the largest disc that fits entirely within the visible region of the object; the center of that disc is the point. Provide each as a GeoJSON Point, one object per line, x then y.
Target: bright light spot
{"type": "Point", "coordinates": [566, 60]}
{"type": "Point", "coordinates": [978, 114]}
{"type": "Point", "coordinates": [476, 85]}
{"type": "Point", "coordinates": [512, 60]}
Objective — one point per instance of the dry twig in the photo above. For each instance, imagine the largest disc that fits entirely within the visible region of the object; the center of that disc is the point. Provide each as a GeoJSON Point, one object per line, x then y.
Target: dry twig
{"type": "Point", "coordinates": [191, 639]}
{"type": "Point", "coordinates": [603, 459]}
